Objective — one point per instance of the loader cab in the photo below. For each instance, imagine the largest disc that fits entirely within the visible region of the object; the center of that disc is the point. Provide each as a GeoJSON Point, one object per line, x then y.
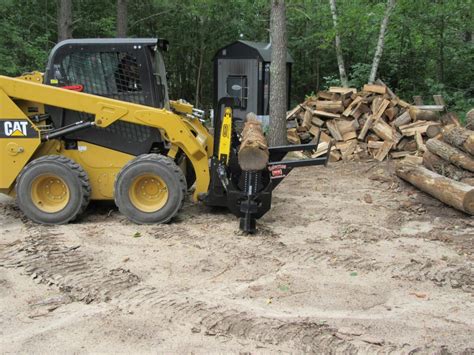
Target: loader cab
{"type": "Point", "coordinates": [126, 69]}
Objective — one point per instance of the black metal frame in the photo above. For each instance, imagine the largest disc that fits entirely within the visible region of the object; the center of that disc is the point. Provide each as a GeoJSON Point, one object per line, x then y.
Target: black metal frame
{"type": "Point", "coordinates": [248, 194]}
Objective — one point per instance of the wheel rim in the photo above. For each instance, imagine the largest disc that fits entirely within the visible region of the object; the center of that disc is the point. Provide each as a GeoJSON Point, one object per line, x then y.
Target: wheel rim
{"type": "Point", "coordinates": [148, 193]}
{"type": "Point", "coordinates": [49, 193]}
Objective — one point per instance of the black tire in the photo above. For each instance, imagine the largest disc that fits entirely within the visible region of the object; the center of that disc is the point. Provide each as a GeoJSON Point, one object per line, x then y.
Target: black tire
{"type": "Point", "coordinates": [73, 176]}
{"type": "Point", "coordinates": [156, 165]}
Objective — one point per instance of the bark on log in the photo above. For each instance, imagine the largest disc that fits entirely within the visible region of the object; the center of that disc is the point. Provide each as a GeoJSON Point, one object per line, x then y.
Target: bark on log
{"type": "Point", "coordinates": [433, 130]}
{"type": "Point", "coordinates": [451, 192]}
{"type": "Point", "coordinates": [403, 119]}
{"type": "Point", "coordinates": [423, 115]}
{"type": "Point", "coordinates": [253, 152]}
{"type": "Point", "coordinates": [461, 138]}
{"type": "Point", "coordinates": [451, 154]}
{"type": "Point", "coordinates": [442, 167]}
{"type": "Point", "coordinates": [470, 119]}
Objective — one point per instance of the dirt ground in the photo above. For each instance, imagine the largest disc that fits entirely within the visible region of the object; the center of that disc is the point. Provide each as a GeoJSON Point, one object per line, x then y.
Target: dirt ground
{"type": "Point", "coordinates": [349, 259]}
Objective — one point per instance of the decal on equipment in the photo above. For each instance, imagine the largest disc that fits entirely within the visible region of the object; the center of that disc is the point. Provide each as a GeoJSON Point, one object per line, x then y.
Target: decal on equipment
{"type": "Point", "coordinates": [17, 129]}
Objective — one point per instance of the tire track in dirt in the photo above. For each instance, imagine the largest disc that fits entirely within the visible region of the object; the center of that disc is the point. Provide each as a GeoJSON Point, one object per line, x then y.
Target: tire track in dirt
{"type": "Point", "coordinates": [47, 259]}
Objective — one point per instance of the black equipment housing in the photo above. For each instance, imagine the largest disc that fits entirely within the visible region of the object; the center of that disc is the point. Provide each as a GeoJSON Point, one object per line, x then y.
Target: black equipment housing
{"type": "Point", "coordinates": [242, 71]}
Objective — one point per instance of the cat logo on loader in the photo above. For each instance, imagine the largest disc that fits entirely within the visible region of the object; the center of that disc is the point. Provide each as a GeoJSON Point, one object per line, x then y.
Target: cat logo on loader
{"type": "Point", "coordinates": [15, 128]}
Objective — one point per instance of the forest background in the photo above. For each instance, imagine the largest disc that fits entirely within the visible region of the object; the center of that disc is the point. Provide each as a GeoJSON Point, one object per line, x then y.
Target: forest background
{"type": "Point", "coordinates": [428, 47]}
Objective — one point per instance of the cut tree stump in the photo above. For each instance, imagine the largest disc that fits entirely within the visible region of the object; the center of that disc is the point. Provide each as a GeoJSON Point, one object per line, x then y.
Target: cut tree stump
{"type": "Point", "coordinates": [449, 191]}
{"type": "Point", "coordinates": [461, 138]}
{"type": "Point", "coordinates": [450, 154]}
{"type": "Point", "coordinates": [253, 152]}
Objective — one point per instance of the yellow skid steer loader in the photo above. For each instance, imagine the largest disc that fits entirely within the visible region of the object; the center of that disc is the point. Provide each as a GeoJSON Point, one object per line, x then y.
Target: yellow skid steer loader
{"type": "Point", "coordinates": [98, 125]}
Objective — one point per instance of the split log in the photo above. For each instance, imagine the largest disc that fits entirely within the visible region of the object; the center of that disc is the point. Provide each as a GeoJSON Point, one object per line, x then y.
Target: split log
{"type": "Point", "coordinates": [461, 138]}
{"type": "Point", "coordinates": [374, 144]}
{"type": "Point", "coordinates": [423, 115]}
{"type": "Point", "coordinates": [314, 130]}
{"type": "Point", "coordinates": [292, 136]}
{"type": "Point", "coordinates": [331, 106]}
{"type": "Point", "coordinates": [381, 109]}
{"type": "Point", "coordinates": [383, 151]}
{"type": "Point", "coordinates": [308, 116]}
{"type": "Point", "coordinates": [321, 149]}
{"type": "Point", "coordinates": [253, 152]}
{"type": "Point", "coordinates": [378, 89]}
{"type": "Point", "coordinates": [410, 129]}
{"type": "Point", "coordinates": [345, 126]}
{"type": "Point", "coordinates": [332, 127]}
{"type": "Point", "coordinates": [449, 191]}
{"type": "Point", "coordinates": [317, 122]}
{"type": "Point", "coordinates": [351, 107]}
{"type": "Point", "coordinates": [389, 92]}
{"type": "Point", "coordinates": [368, 124]}
{"type": "Point", "coordinates": [347, 148]}
{"type": "Point", "coordinates": [293, 112]}
{"type": "Point", "coordinates": [403, 119]}
{"type": "Point", "coordinates": [385, 131]}
{"type": "Point", "coordinates": [451, 154]}
{"type": "Point", "coordinates": [391, 112]}
{"type": "Point", "coordinates": [325, 114]}
{"type": "Point", "coordinates": [341, 90]}
{"type": "Point", "coordinates": [442, 167]}
{"type": "Point", "coordinates": [324, 95]}
{"type": "Point", "coordinates": [420, 145]}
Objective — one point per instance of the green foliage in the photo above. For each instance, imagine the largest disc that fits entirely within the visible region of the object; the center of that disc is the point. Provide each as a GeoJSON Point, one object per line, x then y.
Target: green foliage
{"type": "Point", "coordinates": [429, 47]}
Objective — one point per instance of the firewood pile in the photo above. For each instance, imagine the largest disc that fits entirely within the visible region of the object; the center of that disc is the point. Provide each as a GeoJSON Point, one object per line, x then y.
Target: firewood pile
{"type": "Point", "coordinates": [372, 123]}
{"type": "Point", "coordinates": [447, 168]}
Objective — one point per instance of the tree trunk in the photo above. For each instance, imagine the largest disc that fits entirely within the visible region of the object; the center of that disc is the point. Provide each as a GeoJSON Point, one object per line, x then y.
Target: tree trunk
{"type": "Point", "coordinates": [278, 88]}
{"type": "Point", "coordinates": [451, 192]}
{"type": "Point", "coordinates": [381, 41]}
{"type": "Point", "coordinates": [450, 154]}
{"type": "Point", "coordinates": [198, 79]}
{"type": "Point", "coordinates": [122, 18]}
{"type": "Point", "coordinates": [253, 152]}
{"type": "Point", "coordinates": [340, 58]}
{"type": "Point", "coordinates": [64, 19]}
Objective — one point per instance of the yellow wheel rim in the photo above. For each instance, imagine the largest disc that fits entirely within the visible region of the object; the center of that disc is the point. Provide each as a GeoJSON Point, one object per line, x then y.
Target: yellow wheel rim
{"type": "Point", "coordinates": [148, 193]}
{"type": "Point", "coordinates": [49, 193]}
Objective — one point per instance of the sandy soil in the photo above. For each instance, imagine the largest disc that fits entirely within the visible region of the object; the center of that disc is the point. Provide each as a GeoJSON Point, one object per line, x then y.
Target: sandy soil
{"type": "Point", "coordinates": [349, 259]}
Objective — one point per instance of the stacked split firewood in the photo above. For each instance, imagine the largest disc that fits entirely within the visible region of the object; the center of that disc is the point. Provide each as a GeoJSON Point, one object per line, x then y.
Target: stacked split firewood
{"type": "Point", "coordinates": [447, 169]}
{"type": "Point", "coordinates": [373, 123]}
